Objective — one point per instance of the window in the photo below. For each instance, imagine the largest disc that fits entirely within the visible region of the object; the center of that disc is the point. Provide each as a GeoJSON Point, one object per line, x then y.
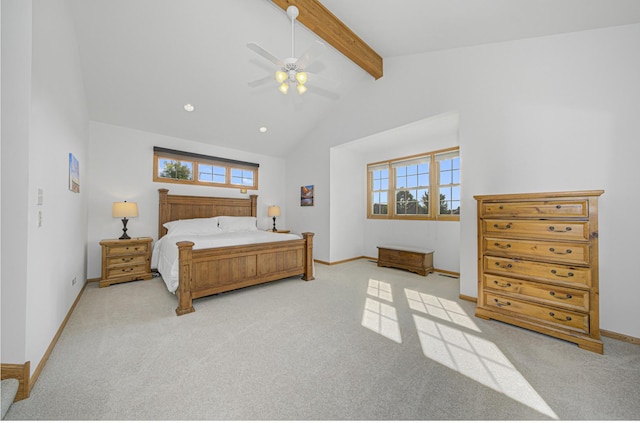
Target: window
{"type": "Point", "coordinates": [401, 188]}
{"type": "Point", "coordinates": [189, 168]}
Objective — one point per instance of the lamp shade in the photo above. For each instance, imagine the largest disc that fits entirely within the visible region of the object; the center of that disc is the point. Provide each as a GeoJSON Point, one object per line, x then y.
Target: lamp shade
{"type": "Point", "coordinates": [124, 209]}
{"type": "Point", "coordinates": [274, 211]}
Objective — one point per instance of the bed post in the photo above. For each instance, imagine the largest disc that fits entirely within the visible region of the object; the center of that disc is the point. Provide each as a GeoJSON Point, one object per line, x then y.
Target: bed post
{"type": "Point", "coordinates": [254, 205]}
{"type": "Point", "coordinates": [308, 256]}
{"type": "Point", "coordinates": [185, 256]}
{"type": "Point", "coordinates": [163, 213]}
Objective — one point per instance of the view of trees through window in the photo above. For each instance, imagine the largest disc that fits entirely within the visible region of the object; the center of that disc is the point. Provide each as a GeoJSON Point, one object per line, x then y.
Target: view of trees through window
{"type": "Point", "coordinates": [401, 188]}
{"type": "Point", "coordinates": [182, 167]}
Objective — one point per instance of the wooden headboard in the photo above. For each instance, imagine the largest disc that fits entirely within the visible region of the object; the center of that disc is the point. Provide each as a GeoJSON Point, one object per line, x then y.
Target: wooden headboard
{"type": "Point", "coordinates": [175, 207]}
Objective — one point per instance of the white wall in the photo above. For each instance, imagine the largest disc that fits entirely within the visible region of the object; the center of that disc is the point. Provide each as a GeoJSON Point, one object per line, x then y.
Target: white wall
{"type": "Point", "coordinates": [57, 124]}
{"type": "Point", "coordinates": [352, 234]}
{"type": "Point", "coordinates": [16, 106]}
{"type": "Point", "coordinates": [553, 113]}
{"type": "Point", "coordinates": [121, 168]}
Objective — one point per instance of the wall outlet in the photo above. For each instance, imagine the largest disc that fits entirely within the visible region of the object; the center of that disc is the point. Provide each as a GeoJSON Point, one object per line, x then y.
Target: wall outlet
{"type": "Point", "coordinates": [73, 281]}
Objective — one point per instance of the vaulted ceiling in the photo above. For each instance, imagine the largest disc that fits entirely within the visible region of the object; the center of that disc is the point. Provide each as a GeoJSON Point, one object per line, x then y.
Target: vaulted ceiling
{"type": "Point", "coordinates": [143, 60]}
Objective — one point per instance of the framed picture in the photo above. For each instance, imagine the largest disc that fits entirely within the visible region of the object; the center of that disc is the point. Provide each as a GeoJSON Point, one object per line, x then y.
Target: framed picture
{"type": "Point", "coordinates": [74, 174]}
{"type": "Point", "coordinates": [306, 195]}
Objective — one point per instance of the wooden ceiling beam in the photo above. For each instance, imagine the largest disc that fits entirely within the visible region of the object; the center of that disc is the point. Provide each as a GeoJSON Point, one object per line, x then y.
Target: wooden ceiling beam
{"type": "Point", "coordinates": [327, 26]}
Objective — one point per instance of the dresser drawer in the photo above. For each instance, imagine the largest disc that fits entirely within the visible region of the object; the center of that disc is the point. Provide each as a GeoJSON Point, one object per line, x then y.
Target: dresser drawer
{"type": "Point", "coordinates": [128, 249]}
{"type": "Point", "coordinates": [567, 319]}
{"type": "Point", "coordinates": [124, 260]}
{"type": "Point", "coordinates": [538, 271]}
{"type": "Point", "coordinates": [126, 271]}
{"type": "Point", "coordinates": [557, 230]}
{"type": "Point", "coordinates": [560, 252]}
{"type": "Point", "coordinates": [552, 295]}
{"type": "Point", "coordinates": [555, 209]}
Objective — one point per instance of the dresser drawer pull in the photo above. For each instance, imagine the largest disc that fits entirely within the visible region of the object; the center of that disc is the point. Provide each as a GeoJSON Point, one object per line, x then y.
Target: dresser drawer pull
{"type": "Point", "coordinates": [506, 266]}
{"type": "Point", "coordinates": [558, 206]}
{"type": "Point", "coordinates": [502, 285]}
{"type": "Point", "coordinates": [507, 226]}
{"type": "Point", "coordinates": [499, 304]}
{"type": "Point", "coordinates": [566, 297]}
{"type": "Point", "coordinates": [567, 251]}
{"type": "Point", "coordinates": [126, 259]}
{"type": "Point", "coordinates": [553, 229]}
{"type": "Point", "coordinates": [568, 275]}
{"type": "Point", "coordinates": [566, 319]}
{"type": "Point", "coordinates": [128, 270]}
{"type": "Point", "coordinates": [504, 247]}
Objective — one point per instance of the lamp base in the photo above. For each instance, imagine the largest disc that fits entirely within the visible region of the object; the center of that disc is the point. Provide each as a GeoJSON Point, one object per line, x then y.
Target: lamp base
{"type": "Point", "coordinates": [124, 229]}
{"type": "Point", "coordinates": [274, 224]}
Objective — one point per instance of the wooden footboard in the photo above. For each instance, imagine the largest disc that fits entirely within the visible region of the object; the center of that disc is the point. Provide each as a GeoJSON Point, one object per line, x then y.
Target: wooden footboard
{"type": "Point", "coordinates": [215, 270]}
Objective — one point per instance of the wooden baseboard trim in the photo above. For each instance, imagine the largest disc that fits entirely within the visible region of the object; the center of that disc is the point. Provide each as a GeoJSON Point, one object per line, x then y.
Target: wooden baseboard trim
{"type": "Point", "coordinates": [447, 272]}
{"type": "Point", "coordinates": [333, 263]}
{"type": "Point", "coordinates": [620, 337]}
{"type": "Point", "coordinates": [93, 280]}
{"type": "Point", "coordinates": [47, 353]}
{"type": "Point", "coordinates": [20, 372]}
{"type": "Point", "coordinates": [468, 298]}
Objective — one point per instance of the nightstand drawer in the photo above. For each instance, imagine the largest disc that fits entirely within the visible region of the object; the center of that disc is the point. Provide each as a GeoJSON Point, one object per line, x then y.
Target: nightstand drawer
{"type": "Point", "coordinates": [123, 260]}
{"type": "Point", "coordinates": [124, 271]}
{"type": "Point", "coordinates": [128, 249]}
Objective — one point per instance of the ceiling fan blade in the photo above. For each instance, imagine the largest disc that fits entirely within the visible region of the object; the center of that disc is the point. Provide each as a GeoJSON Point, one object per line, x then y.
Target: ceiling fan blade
{"type": "Point", "coordinates": [264, 53]}
{"type": "Point", "coordinates": [311, 54]}
{"type": "Point", "coordinates": [262, 81]}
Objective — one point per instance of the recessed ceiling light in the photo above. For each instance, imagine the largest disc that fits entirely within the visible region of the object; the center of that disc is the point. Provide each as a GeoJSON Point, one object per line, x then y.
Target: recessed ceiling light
{"type": "Point", "coordinates": [189, 107]}
{"type": "Point", "coordinates": [263, 129]}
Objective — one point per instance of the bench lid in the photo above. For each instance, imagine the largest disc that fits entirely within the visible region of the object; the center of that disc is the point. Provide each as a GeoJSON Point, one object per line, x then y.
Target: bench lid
{"type": "Point", "coordinates": [405, 248]}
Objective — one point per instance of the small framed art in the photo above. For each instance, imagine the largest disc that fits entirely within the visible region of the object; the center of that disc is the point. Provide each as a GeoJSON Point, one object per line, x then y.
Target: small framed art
{"type": "Point", "coordinates": [74, 174]}
{"type": "Point", "coordinates": [306, 195]}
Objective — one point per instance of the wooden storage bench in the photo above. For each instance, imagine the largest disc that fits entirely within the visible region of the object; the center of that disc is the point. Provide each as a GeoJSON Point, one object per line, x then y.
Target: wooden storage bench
{"type": "Point", "coordinates": [415, 260]}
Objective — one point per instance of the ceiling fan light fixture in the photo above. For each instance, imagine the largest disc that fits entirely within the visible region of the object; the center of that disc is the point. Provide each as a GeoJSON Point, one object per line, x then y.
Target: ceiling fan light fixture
{"type": "Point", "coordinates": [301, 77]}
{"type": "Point", "coordinates": [301, 89]}
{"type": "Point", "coordinates": [281, 76]}
{"type": "Point", "coordinates": [284, 87]}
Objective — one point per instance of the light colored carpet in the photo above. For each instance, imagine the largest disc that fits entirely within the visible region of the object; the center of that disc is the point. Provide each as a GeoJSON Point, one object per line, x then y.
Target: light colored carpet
{"type": "Point", "coordinates": [359, 342]}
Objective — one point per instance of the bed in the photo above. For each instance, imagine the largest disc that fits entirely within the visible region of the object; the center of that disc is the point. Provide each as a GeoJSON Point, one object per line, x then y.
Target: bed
{"type": "Point", "coordinates": [201, 267]}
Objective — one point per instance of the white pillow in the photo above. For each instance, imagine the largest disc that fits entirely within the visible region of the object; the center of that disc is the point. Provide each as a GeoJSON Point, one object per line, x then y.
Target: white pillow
{"type": "Point", "coordinates": [237, 223]}
{"type": "Point", "coordinates": [198, 226]}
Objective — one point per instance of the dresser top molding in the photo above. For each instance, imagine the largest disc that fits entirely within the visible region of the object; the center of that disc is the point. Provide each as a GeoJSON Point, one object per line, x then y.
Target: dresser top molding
{"type": "Point", "coordinates": [533, 196]}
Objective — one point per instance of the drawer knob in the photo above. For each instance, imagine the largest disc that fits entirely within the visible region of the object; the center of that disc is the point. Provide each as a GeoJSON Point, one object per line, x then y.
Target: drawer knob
{"type": "Point", "coordinates": [566, 297]}
{"type": "Point", "coordinates": [507, 226]}
{"type": "Point", "coordinates": [128, 270]}
{"type": "Point", "coordinates": [503, 285]}
{"type": "Point", "coordinates": [499, 304]}
{"type": "Point", "coordinates": [504, 247]}
{"type": "Point", "coordinates": [568, 275]}
{"type": "Point", "coordinates": [558, 206]}
{"type": "Point", "coordinates": [506, 266]}
{"type": "Point", "coordinates": [567, 251]}
{"type": "Point", "coordinates": [553, 229]}
{"type": "Point", "coordinates": [566, 319]}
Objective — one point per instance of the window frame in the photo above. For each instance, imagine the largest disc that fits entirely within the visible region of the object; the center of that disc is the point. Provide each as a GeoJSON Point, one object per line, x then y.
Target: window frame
{"type": "Point", "coordinates": [434, 186]}
{"type": "Point", "coordinates": [196, 160]}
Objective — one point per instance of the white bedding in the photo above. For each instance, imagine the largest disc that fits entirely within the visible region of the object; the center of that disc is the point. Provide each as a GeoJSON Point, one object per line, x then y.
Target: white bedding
{"type": "Point", "coordinates": [165, 252]}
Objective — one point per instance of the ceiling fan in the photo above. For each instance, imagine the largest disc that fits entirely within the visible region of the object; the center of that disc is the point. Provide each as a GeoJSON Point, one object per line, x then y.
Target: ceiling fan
{"type": "Point", "coordinates": [291, 70]}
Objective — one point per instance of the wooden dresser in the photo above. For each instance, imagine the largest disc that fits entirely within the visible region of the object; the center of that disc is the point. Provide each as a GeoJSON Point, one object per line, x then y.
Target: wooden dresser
{"type": "Point", "coordinates": [538, 263]}
{"type": "Point", "coordinates": [125, 260]}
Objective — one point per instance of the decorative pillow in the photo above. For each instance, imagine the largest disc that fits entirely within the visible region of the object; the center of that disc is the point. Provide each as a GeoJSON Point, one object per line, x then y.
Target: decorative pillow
{"type": "Point", "coordinates": [198, 226]}
{"type": "Point", "coordinates": [237, 223]}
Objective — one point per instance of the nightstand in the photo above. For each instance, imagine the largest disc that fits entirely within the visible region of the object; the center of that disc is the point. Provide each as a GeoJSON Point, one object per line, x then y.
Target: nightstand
{"type": "Point", "coordinates": [125, 260]}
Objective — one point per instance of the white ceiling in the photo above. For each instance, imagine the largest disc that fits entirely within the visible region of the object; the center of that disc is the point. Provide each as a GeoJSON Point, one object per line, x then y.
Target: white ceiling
{"type": "Point", "coordinates": [144, 59]}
